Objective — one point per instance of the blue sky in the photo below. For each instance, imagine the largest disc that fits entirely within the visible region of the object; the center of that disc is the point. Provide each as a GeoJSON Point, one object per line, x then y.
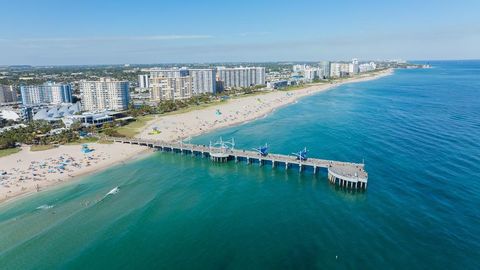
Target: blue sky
{"type": "Point", "coordinates": [48, 32]}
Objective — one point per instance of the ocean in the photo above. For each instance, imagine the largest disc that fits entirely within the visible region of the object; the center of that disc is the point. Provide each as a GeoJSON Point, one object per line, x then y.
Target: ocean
{"type": "Point", "coordinates": [417, 132]}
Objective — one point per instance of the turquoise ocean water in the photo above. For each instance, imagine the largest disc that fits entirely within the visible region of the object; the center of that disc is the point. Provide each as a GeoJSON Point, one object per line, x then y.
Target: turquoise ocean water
{"type": "Point", "coordinates": [418, 132]}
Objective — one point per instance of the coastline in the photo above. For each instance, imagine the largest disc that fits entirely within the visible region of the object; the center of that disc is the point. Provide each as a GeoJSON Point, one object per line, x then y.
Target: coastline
{"type": "Point", "coordinates": [234, 112]}
{"type": "Point", "coordinates": [173, 127]}
{"type": "Point", "coordinates": [27, 170]}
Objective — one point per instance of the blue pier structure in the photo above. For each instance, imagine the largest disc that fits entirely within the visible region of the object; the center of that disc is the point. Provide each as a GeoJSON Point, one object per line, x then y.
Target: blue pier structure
{"type": "Point", "coordinates": [262, 150]}
{"type": "Point", "coordinates": [344, 174]}
{"type": "Point", "coordinates": [301, 155]}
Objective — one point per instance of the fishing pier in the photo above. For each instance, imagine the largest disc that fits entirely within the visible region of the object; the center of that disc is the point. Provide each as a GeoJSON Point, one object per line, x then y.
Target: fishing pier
{"type": "Point", "coordinates": [344, 174]}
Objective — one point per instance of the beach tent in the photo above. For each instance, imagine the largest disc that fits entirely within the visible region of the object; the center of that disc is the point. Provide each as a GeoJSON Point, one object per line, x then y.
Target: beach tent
{"type": "Point", "coordinates": [85, 149]}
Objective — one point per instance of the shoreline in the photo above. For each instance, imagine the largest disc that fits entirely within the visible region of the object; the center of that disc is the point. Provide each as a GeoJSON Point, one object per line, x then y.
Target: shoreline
{"type": "Point", "coordinates": [196, 122]}
{"type": "Point", "coordinates": [103, 157]}
{"type": "Point", "coordinates": [177, 127]}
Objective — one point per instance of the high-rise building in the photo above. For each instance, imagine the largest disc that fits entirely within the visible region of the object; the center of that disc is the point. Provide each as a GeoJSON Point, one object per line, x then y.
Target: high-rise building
{"type": "Point", "coordinates": [299, 68]}
{"type": "Point", "coordinates": [203, 80]}
{"type": "Point", "coordinates": [339, 69]}
{"type": "Point", "coordinates": [143, 81]}
{"type": "Point", "coordinates": [335, 69]}
{"type": "Point", "coordinates": [353, 67]}
{"type": "Point", "coordinates": [48, 93]}
{"type": "Point", "coordinates": [325, 69]}
{"type": "Point", "coordinates": [367, 67]}
{"type": "Point", "coordinates": [105, 94]}
{"type": "Point", "coordinates": [171, 88]}
{"type": "Point", "coordinates": [8, 93]}
{"type": "Point", "coordinates": [312, 73]}
{"type": "Point", "coordinates": [174, 72]}
{"type": "Point", "coordinates": [238, 77]}
{"type": "Point", "coordinates": [260, 77]}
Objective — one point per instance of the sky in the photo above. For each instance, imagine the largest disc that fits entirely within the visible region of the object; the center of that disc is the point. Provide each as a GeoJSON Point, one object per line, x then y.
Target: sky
{"type": "Point", "coordinates": [51, 32]}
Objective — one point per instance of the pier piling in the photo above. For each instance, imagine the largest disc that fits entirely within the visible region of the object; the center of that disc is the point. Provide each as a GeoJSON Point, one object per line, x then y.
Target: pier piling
{"type": "Point", "coordinates": [345, 174]}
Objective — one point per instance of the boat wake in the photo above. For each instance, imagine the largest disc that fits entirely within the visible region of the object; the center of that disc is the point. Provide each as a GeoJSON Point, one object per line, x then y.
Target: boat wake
{"type": "Point", "coordinates": [45, 207]}
{"type": "Point", "coordinates": [112, 192]}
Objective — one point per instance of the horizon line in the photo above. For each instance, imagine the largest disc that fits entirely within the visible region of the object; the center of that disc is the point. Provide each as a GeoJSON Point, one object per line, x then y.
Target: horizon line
{"type": "Point", "coordinates": [232, 62]}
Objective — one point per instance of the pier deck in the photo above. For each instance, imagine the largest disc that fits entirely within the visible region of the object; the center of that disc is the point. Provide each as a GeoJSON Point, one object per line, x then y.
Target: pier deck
{"type": "Point", "coordinates": [344, 174]}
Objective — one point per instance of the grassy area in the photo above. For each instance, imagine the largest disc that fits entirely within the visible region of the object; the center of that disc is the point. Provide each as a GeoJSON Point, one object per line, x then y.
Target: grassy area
{"type": "Point", "coordinates": [135, 127]}
{"type": "Point", "coordinates": [195, 107]}
{"type": "Point", "coordinates": [256, 93]}
{"type": "Point", "coordinates": [41, 147]}
{"type": "Point", "coordinates": [102, 141]}
{"type": "Point", "coordinates": [9, 151]}
{"type": "Point", "coordinates": [89, 140]}
{"type": "Point", "coordinates": [294, 87]}
{"type": "Point", "coordinates": [84, 140]}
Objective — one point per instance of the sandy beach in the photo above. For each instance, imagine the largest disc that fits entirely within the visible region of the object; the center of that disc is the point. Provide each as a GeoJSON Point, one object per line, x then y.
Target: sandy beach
{"type": "Point", "coordinates": [235, 111]}
{"type": "Point", "coordinates": [27, 172]}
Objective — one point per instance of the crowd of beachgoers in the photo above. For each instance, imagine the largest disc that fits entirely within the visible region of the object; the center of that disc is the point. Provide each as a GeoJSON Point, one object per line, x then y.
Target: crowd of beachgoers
{"type": "Point", "coordinates": [31, 171]}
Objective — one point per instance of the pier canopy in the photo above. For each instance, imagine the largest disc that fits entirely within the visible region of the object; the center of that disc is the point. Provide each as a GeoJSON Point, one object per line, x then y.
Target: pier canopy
{"type": "Point", "coordinates": [301, 155]}
{"type": "Point", "coordinates": [220, 150]}
{"type": "Point", "coordinates": [262, 150]}
{"type": "Point", "coordinates": [345, 174]}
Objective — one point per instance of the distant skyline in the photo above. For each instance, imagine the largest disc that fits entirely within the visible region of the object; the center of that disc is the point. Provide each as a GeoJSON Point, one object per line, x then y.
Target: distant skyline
{"type": "Point", "coordinates": [146, 32]}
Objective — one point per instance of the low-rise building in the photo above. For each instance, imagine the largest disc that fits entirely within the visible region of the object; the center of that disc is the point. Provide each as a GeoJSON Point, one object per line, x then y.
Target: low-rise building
{"type": "Point", "coordinates": [277, 84]}
{"type": "Point", "coordinates": [9, 115]}
{"type": "Point", "coordinates": [57, 112]}
{"type": "Point", "coordinates": [97, 118]}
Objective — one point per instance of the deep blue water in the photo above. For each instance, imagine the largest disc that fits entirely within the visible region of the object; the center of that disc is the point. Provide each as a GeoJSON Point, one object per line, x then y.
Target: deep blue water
{"type": "Point", "coordinates": [417, 131]}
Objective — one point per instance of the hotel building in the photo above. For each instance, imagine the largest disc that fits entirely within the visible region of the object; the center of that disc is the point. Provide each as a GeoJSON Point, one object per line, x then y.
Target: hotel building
{"type": "Point", "coordinates": [105, 94]}
{"type": "Point", "coordinates": [48, 93]}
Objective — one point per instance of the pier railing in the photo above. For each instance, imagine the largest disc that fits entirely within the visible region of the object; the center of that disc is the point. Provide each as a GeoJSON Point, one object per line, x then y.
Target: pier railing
{"type": "Point", "coordinates": [345, 174]}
